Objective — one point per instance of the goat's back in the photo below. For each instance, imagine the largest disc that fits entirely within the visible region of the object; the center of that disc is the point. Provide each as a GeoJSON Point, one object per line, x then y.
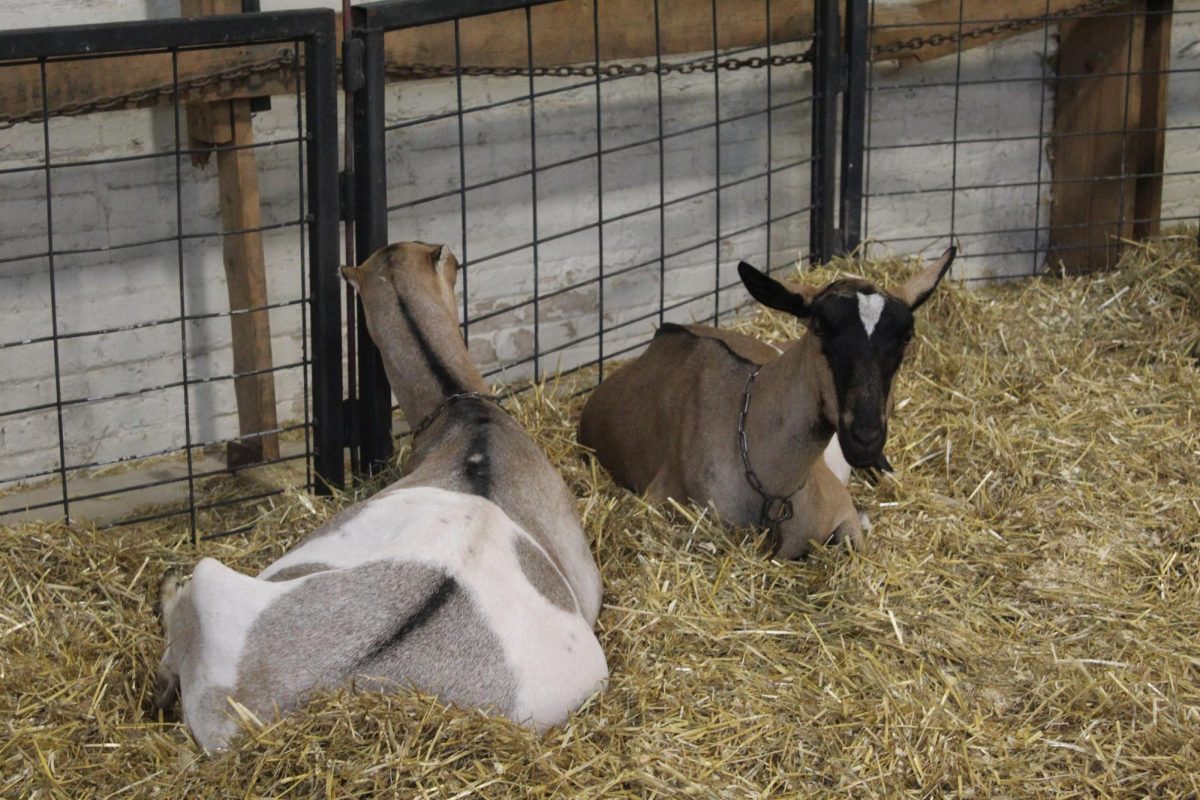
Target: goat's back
{"type": "Point", "coordinates": [647, 415]}
{"type": "Point", "coordinates": [479, 450]}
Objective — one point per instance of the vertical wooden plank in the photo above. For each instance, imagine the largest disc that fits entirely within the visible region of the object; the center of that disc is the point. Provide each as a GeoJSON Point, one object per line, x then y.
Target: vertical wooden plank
{"type": "Point", "coordinates": [1092, 154]}
{"type": "Point", "coordinates": [227, 124]}
{"type": "Point", "coordinates": [1151, 139]}
{"type": "Point", "coordinates": [206, 129]}
{"type": "Point", "coordinates": [245, 274]}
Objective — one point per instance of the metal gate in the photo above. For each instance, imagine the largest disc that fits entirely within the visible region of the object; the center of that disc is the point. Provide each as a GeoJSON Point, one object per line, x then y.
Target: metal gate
{"type": "Point", "coordinates": [102, 449]}
{"type": "Point", "coordinates": [645, 238]}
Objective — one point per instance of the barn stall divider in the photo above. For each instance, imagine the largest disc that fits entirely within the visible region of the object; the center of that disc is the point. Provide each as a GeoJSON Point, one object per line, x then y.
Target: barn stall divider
{"type": "Point", "coordinates": [118, 402]}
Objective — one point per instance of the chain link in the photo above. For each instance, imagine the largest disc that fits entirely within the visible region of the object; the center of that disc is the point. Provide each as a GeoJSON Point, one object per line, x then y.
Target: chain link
{"type": "Point", "coordinates": [449, 401]}
{"type": "Point", "coordinates": [776, 509]}
{"type": "Point", "coordinates": [1008, 26]}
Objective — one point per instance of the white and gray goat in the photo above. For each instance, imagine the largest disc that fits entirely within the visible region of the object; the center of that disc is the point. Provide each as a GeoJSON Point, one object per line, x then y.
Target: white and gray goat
{"type": "Point", "coordinates": [722, 419]}
{"type": "Point", "coordinates": [470, 578]}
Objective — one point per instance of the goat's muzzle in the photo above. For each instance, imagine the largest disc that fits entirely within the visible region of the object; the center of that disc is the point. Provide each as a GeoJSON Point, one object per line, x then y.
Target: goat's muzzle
{"type": "Point", "coordinates": [862, 444]}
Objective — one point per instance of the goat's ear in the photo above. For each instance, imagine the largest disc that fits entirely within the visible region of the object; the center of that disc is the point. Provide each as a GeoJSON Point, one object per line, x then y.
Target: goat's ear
{"type": "Point", "coordinates": [353, 275]}
{"type": "Point", "coordinates": [773, 294]}
{"type": "Point", "coordinates": [446, 265]}
{"type": "Point", "coordinates": [919, 287]}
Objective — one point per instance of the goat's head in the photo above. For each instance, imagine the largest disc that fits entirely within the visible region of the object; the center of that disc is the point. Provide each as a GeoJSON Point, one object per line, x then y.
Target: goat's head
{"type": "Point", "coordinates": [415, 273]}
{"type": "Point", "coordinates": [407, 291]}
{"type": "Point", "coordinates": [863, 333]}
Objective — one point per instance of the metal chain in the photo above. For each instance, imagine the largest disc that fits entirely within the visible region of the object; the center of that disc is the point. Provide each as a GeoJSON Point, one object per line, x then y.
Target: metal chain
{"type": "Point", "coordinates": [420, 71]}
{"type": "Point", "coordinates": [450, 400]}
{"type": "Point", "coordinates": [285, 59]}
{"type": "Point", "coordinates": [1008, 26]}
{"type": "Point", "coordinates": [776, 509]}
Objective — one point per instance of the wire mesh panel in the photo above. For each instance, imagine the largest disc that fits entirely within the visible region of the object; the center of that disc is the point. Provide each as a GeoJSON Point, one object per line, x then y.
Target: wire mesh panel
{"type": "Point", "coordinates": [1040, 135]}
{"type": "Point", "coordinates": [598, 170]}
{"type": "Point", "coordinates": [170, 347]}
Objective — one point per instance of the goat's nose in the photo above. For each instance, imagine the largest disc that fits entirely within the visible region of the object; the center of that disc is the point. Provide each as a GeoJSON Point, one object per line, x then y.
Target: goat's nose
{"type": "Point", "coordinates": [867, 437]}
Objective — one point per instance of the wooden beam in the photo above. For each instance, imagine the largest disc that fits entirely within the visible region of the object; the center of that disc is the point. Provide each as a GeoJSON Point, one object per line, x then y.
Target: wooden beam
{"type": "Point", "coordinates": [1152, 138]}
{"type": "Point", "coordinates": [246, 276]}
{"type": "Point", "coordinates": [563, 32]}
{"type": "Point", "coordinates": [1095, 146]}
{"type": "Point", "coordinates": [562, 35]}
{"type": "Point", "coordinates": [109, 80]}
{"type": "Point", "coordinates": [227, 126]}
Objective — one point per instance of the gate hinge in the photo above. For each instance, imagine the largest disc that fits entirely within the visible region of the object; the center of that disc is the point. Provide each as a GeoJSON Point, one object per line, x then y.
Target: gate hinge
{"type": "Point", "coordinates": [346, 195]}
{"type": "Point", "coordinates": [353, 76]}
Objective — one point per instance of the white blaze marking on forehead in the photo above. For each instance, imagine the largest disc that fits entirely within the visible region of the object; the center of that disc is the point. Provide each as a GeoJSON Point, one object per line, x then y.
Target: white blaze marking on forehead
{"type": "Point", "coordinates": [870, 308]}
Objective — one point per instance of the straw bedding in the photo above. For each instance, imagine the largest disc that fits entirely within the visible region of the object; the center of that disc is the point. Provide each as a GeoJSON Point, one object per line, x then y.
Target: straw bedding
{"type": "Point", "coordinates": [1024, 623]}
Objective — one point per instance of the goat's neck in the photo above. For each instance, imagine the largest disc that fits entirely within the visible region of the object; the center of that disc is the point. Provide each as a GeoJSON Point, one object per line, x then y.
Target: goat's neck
{"type": "Point", "coordinates": [786, 431]}
{"type": "Point", "coordinates": [426, 360]}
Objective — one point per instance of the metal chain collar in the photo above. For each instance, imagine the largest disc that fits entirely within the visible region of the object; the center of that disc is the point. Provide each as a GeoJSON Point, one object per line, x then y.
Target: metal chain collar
{"type": "Point", "coordinates": [776, 509]}
{"type": "Point", "coordinates": [449, 401]}
{"type": "Point", "coordinates": [1008, 26]}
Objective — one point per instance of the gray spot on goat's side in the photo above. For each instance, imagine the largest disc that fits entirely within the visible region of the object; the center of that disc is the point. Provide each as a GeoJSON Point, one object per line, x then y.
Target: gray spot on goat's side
{"type": "Point", "coordinates": [544, 576]}
{"type": "Point", "coordinates": [304, 640]}
{"type": "Point", "coordinates": [298, 571]}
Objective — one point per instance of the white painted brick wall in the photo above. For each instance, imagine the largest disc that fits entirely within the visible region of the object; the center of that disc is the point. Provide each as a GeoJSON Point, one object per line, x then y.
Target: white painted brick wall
{"type": "Point", "coordinates": [910, 208]}
{"type": "Point", "coordinates": [1181, 186]}
{"type": "Point", "coordinates": [110, 204]}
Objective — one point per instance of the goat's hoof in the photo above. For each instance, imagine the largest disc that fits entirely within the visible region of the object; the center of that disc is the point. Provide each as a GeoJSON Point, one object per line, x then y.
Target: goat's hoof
{"type": "Point", "coordinates": [847, 534]}
{"type": "Point", "coordinates": [165, 699]}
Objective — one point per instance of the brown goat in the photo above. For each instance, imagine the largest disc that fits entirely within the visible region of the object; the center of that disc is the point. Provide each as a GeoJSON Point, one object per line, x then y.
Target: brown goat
{"type": "Point", "coordinates": [722, 419]}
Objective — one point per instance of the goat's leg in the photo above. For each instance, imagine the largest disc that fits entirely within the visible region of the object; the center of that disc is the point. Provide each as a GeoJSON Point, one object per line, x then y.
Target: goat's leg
{"type": "Point", "coordinates": [166, 680]}
{"type": "Point", "coordinates": [849, 532]}
{"type": "Point", "coordinates": [824, 514]}
{"type": "Point", "coordinates": [663, 487]}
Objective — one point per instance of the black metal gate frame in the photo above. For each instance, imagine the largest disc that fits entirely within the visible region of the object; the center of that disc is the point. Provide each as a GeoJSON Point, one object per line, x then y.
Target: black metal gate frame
{"type": "Point", "coordinates": [317, 30]}
{"type": "Point", "coordinates": [839, 71]}
{"type": "Point", "coordinates": [371, 426]}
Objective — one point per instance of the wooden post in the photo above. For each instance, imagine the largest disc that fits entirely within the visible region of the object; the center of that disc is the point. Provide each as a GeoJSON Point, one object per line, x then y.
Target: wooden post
{"type": "Point", "coordinates": [1151, 139]}
{"type": "Point", "coordinates": [226, 124]}
{"type": "Point", "coordinates": [1107, 141]}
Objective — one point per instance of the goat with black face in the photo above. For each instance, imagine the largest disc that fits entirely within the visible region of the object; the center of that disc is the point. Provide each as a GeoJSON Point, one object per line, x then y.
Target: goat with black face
{"type": "Point", "coordinates": [722, 419]}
